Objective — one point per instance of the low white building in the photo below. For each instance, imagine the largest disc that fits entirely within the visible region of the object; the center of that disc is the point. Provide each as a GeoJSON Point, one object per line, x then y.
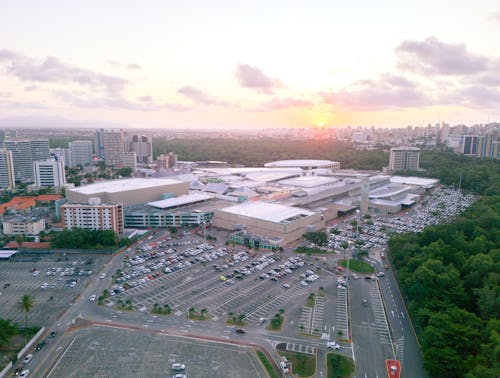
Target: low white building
{"type": "Point", "coordinates": [93, 216]}
{"type": "Point", "coordinates": [23, 226]}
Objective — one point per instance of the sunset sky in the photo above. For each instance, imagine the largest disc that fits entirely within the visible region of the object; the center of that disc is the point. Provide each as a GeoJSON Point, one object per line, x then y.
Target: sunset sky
{"type": "Point", "coordinates": [240, 64]}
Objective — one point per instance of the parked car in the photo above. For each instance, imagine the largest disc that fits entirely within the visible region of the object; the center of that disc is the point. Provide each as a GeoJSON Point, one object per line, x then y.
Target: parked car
{"type": "Point", "coordinates": [40, 345]}
{"type": "Point", "coordinates": [24, 373]}
{"type": "Point", "coordinates": [240, 331]}
{"type": "Point", "coordinates": [177, 366]}
{"type": "Point", "coordinates": [52, 334]}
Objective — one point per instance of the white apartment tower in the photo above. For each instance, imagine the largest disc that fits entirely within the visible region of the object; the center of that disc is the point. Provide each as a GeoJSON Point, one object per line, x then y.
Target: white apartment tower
{"type": "Point", "coordinates": [404, 158]}
{"type": "Point", "coordinates": [49, 173]}
{"type": "Point", "coordinates": [142, 146]}
{"type": "Point", "coordinates": [24, 153]}
{"type": "Point", "coordinates": [110, 146]}
{"type": "Point", "coordinates": [94, 216]}
{"type": "Point", "coordinates": [80, 153]}
{"type": "Point", "coordinates": [7, 180]}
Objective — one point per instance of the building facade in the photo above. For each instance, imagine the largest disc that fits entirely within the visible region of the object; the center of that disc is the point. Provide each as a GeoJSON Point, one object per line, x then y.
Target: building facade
{"type": "Point", "coordinates": [23, 226]}
{"type": "Point", "coordinates": [167, 161]}
{"type": "Point", "coordinates": [142, 146]}
{"type": "Point", "coordinates": [7, 180]}
{"type": "Point", "coordinates": [80, 153]}
{"type": "Point", "coordinates": [49, 173]}
{"type": "Point", "coordinates": [110, 146]}
{"type": "Point", "coordinates": [130, 160]}
{"type": "Point", "coordinates": [404, 158]}
{"type": "Point", "coordinates": [24, 153]}
{"type": "Point", "coordinates": [93, 216]}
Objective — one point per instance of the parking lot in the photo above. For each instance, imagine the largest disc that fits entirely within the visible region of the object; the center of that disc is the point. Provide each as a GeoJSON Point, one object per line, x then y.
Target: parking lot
{"type": "Point", "coordinates": [195, 274]}
{"type": "Point", "coordinates": [440, 207]}
{"type": "Point", "coordinates": [52, 281]}
{"type": "Point", "coordinates": [110, 352]}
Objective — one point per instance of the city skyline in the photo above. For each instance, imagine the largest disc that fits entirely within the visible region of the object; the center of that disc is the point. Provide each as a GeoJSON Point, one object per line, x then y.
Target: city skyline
{"type": "Point", "coordinates": [235, 65]}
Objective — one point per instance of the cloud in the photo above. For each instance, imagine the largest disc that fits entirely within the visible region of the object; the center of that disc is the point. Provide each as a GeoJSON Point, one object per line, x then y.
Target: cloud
{"type": "Point", "coordinates": [283, 103]}
{"type": "Point", "coordinates": [5, 94]}
{"type": "Point", "coordinates": [129, 66]}
{"type": "Point", "coordinates": [30, 88]}
{"type": "Point", "coordinates": [432, 56]}
{"type": "Point", "coordinates": [22, 105]}
{"type": "Point", "coordinates": [145, 99]}
{"type": "Point", "coordinates": [252, 77]}
{"type": "Point", "coordinates": [84, 100]}
{"type": "Point", "coordinates": [389, 92]}
{"type": "Point", "coordinates": [474, 96]}
{"type": "Point", "coordinates": [52, 70]}
{"type": "Point", "coordinates": [494, 17]}
{"type": "Point", "coordinates": [199, 97]}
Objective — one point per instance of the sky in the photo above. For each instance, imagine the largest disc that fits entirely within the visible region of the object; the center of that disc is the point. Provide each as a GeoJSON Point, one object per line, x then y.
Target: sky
{"type": "Point", "coordinates": [251, 64]}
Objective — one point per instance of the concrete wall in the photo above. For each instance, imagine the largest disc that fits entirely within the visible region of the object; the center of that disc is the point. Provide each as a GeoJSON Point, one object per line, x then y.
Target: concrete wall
{"type": "Point", "coordinates": [289, 232]}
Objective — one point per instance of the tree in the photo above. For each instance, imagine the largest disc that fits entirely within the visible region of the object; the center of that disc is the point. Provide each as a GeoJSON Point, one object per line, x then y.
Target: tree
{"type": "Point", "coordinates": [26, 304]}
{"type": "Point", "coordinates": [7, 330]}
{"type": "Point", "coordinates": [124, 172]}
{"type": "Point", "coordinates": [203, 312]}
{"type": "Point", "coordinates": [191, 312]}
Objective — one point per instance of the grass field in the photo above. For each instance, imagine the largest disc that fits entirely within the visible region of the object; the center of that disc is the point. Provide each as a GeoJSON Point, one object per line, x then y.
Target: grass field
{"type": "Point", "coordinates": [303, 365]}
{"type": "Point", "coordinates": [339, 366]}
{"type": "Point", "coordinates": [357, 266]}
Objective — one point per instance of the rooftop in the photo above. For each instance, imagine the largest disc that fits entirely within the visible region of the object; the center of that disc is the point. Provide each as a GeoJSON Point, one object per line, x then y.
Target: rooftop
{"type": "Point", "coordinates": [300, 163]}
{"type": "Point", "coordinates": [411, 180]}
{"type": "Point", "coordinates": [271, 212]}
{"type": "Point", "coordinates": [309, 181]}
{"type": "Point", "coordinates": [116, 186]}
{"type": "Point", "coordinates": [179, 201]}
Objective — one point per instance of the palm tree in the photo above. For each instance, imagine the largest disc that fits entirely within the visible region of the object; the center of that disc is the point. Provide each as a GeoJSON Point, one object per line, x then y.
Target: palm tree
{"type": "Point", "coordinates": [26, 304]}
{"type": "Point", "coordinates": [191, 312]}
{"type": "Point", "coordinates": [203, 312]}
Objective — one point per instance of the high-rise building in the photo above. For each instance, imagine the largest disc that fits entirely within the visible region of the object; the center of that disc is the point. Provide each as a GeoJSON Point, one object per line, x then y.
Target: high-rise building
{"type": "Point", "coordinates": [130, 160]}
{"type": "Point", "coordinates": [167, 161]}
{"type": "Point", "coordinates": [94, 216]}
{"type": "Point", "coordinates": [7, 180]}
{"type": "Point", "coordinates": [61, 154]}
{"type": "Point", "coordinates": [404, 158]}
{"type": "Point", "coordinates": [49, 173]}
{"type": "Point", "coordinates": [80, 153]}
{"type": "Point", "coordinates": [142, 146]}
{"type": "Point", "coordinates": [24, 153]}
{"type": "Point", "coordinates": [110, 146]}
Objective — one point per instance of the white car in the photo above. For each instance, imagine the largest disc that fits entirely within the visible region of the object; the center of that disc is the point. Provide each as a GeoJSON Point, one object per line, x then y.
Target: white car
{"type": "Point", "coordinates": [333, 345]}
{"type": "Point", "coordinates": [44, 285]}
{"type": "Point", "coordinates": [179, 376]}
{"type": "Point", "coordinates": [92, 298]}
{"type": "Point", "coordinates": [103, 276]}
{"type": "Point", "coordinates": [27, 359]}
{"type": "Point", "coordinates": [286, 286]}
{"type": "Point", "coordinates": [24, 373]}
{"type": "Point", "coordinates": [177, 366]}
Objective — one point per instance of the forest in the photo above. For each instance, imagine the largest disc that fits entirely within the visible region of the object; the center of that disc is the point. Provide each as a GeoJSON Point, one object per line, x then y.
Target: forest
{"type": "Point", "coordinates": [450, 274]}
{"type": "Point", "coordinates": [257, 152]}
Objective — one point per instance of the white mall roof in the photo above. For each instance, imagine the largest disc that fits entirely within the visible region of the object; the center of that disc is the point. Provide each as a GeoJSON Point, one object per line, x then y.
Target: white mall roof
{"type": "Point", "coordinates": [5, 254]}
{"type": "Point", "coordinates": [411, 180]}
{"type": "Point", "coordinates": [178, 201]}
{"type": "Point", "coordinates": [117, 186]}
{"type": "Point", "coordinates": [309, 181]}
{"type": "Point", "coordinates": [300, 163]}
{"type": "Point", "coordinates": [271, 212]}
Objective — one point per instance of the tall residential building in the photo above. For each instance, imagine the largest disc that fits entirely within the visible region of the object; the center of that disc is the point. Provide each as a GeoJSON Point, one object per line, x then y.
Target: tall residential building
{"type": "Point", "coordinates": [142, 146]}
{"type": "Point", "coordinates": [7, 180]}
{"type": "Point", "coordinates": [24, 153]}
{"type": "Point", "coordinates": [110, 146]}
{"type": "Point", "coordinates": [80, 153]}
{"type": "Point", "coordinates": [404, 158]}
{"type": "Point", "coordinates": [94, 216]}
{"type": "Point", "coordinates": [61, 154]}
{"type": "Point", "coordinates": [167, 161]}
{"type": "Point", "coordinates": [130, 160]}
{"type": "Point", "coordinates": [49, 173]}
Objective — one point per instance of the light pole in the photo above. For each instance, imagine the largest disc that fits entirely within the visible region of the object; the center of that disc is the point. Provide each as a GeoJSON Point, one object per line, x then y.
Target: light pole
{"type": "Point", "coordinates": [356, 241]}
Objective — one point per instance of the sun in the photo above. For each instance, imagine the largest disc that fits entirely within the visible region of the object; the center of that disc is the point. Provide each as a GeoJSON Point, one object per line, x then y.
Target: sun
{"type": "Point", "coordinates": [321, 124]}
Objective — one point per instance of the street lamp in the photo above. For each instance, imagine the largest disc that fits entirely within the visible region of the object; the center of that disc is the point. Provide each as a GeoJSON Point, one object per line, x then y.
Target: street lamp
{"type": "Point", "coordinates": [357, 240]}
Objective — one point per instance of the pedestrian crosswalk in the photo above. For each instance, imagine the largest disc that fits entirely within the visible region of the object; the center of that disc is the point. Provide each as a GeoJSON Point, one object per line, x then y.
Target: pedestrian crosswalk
{"type": "Point", "coordinates": [342, 315]}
